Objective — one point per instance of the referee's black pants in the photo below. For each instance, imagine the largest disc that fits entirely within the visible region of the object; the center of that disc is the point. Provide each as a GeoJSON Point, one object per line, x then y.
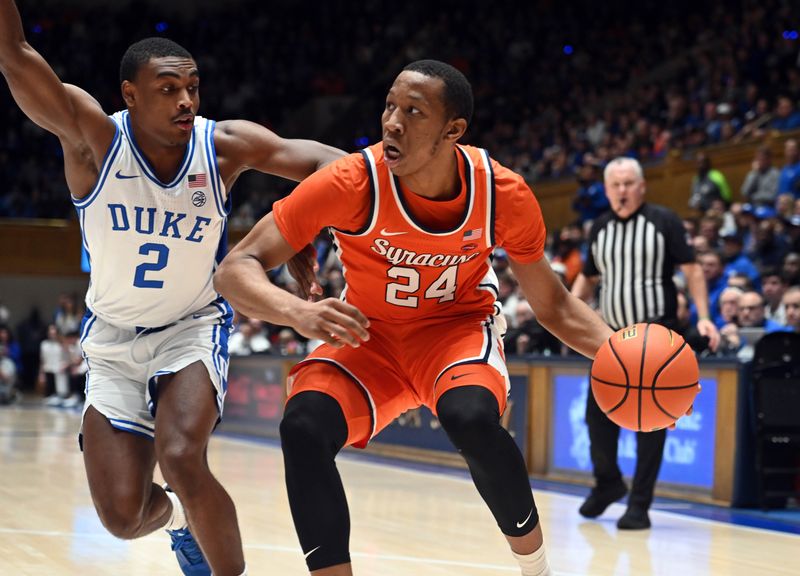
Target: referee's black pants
{"type": "Point", "coordinates": [603, 439]}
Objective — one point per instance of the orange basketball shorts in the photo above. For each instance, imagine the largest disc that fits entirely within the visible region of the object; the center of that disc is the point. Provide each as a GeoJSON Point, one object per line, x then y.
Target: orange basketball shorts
{"type": "Point", "coordinates": [402, 367]}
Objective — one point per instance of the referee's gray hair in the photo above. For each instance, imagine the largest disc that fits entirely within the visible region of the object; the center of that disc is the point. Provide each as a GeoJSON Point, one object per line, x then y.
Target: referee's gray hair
{"type": "Point", "coordinates": [624, 162]}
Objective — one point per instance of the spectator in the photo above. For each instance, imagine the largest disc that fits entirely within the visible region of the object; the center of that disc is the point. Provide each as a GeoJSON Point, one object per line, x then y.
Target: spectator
{"type": "Point", "coordinates": [288, 343]}
{"type": "Point", "coordinates": [708, 185]}
{"type": "Point", "coordinates": [773, 286]}
{"type": "Point", "coordinates": [68, 316]}
{"type": "Point", "coordinates": [567, 251]}
{"type": "Point", "coordinates": [700, 244]}
{"type": "Point", "coordinates": [12, 347]}
{"type": "Point", "coordinates": [714, 273]}
{"type": "Point", "coordinates": [53, 379]}
{"type": "Point", "coordinates": [8, 377]}
{"type": "Point", "coordinates": [685, 328]}
{"type": "Point", "coordinates": [728, 323]}
{"type": "Point", "coordinates": [791, 268]}
{"type": "Point", "coordinates": [786, 117]}
{"type": "Point", "coordinates": [760, 187]}
{"type": "Point", "coordinates": [590, 201]}
{"type": "Point", "coordinates": [729, 306]}
{"type": "Point", "coordinates": [249, 338]}
{"type": "Point", "coordinates": [793, 234]}
{"type": "Point", "coordinates": [709, 227]}
{"type": "Point", "coordinates": [30, 333]}
{"type": "Point", "coordinates": [529, 336]}
{"type": "Point", "coordinates": [789, 182]}
{"type": "Point", "coordinates": [791, 303]}
{"type": "Point", "coordinates": [784, 205]}
{"type": "Point", "coordinates": [740, 281]}
{"type": "Point", "coordinates": [770, 247]}
{"type": "Point", "coordinates": [76, 370]}
{"type": "Point", "coordinates": [751, 313]}
{"type": "Point", "coordinates": [736, 261]}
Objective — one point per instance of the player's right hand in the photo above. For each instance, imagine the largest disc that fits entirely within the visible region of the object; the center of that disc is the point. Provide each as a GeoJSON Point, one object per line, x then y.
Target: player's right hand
{"type": "Point", "coordinates": [333, 321]}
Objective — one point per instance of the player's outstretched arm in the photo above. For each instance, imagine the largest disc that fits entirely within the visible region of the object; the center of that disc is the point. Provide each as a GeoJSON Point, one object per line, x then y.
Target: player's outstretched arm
{"type": "Point", "coordinates": [69, 113]}
{"type": "Point", "coordinates": [242, 280]}
{"type": "Point", "coordinates": [249, 146]}
{"type": "Point", "coordinates": [565, 315]}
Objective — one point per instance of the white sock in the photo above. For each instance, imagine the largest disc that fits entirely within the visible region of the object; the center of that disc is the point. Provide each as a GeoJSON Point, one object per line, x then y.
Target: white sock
{"type": "Point", "coordinates": [533, 564]}
{"type": "Point", "coordinates": [177, 521]}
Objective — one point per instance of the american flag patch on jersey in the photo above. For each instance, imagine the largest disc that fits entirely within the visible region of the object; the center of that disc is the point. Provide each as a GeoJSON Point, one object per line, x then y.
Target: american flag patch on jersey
{"type": "Point", "coordinates": [472, 234]}
{"type": "Point", "coordinates": [197, 180]}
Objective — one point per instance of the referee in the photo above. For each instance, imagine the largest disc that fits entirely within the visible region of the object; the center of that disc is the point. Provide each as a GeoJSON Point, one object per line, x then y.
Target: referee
{"type": "Point", "coordinates": [634, 249]}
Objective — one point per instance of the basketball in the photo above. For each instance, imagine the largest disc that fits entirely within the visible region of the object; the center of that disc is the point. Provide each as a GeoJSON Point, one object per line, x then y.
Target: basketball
{"type": "Point", "coordinates": [645, 377]}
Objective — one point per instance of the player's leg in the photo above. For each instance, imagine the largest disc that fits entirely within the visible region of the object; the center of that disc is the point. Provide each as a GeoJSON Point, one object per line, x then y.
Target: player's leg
{"type": "Point", "coordinates": [119, 467]}
{"type": "Point", "coordinates": [186, 415]}
{"type": "Point", "coordinates": [469, 408]}
{"type": "Point", "coordinates": [603, 439]}
{"type": "Point", "coordinates": [649, 453]}
{"type": "Point", "coordinates": [326, 411]}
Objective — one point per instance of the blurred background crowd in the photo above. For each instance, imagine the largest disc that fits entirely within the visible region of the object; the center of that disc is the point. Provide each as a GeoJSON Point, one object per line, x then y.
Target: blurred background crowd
{"type": "Point", "coordinates": [561, 88]}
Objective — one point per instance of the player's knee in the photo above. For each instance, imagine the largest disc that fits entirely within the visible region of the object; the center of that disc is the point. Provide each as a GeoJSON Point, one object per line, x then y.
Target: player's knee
{"type": "Point", "coordinates": [180, 460]}
{"type": "Point", "coordinates": [468, 414]}
{"type": "Point", "coordinates": [122, 514]}
{"type": "Point", "coordinates": [312, 424]}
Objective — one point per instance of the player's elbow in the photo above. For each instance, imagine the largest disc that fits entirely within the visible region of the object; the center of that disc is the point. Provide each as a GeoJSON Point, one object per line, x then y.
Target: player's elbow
{"type": "Point", "coordinates": [223, 277]}
{"type": "Point", "coordinates": [13, 55]}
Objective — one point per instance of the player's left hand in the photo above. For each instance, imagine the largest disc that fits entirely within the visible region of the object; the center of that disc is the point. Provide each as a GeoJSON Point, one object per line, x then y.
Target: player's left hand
{"type": "Point", "coordinates": [706, 327]}
{"type": "Point", "coordinates": [303, 267]}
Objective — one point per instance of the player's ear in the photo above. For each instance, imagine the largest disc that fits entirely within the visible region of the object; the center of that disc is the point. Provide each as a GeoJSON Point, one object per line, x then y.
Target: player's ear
{"type": "Point", "coordinates": [128, 93]}
{"type": "Point", "coordinates": [455, 129]}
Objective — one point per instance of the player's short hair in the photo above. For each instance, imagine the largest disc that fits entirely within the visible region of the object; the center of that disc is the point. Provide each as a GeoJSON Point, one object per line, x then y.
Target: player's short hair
{"type": "Point", "coordinates": [624, 162]}
{"type": "Point", "coordinates": [458, 99]}
{"type": "Point", "coordinates": [143, 51]}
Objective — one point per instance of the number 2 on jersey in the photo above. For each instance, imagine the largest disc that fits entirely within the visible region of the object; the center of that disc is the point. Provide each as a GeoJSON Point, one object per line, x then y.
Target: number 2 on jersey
{"type": "Point", "coordinates": [398, 293]}
{"type": "Point", "coordinates": [163, 255]}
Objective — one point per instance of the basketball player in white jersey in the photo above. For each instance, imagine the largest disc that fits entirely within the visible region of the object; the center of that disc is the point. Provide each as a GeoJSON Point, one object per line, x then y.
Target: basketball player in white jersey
{"type": "Point", "coordinates": [150, 185]}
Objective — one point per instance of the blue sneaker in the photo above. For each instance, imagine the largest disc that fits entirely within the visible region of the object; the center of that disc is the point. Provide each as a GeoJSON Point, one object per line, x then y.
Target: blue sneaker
{"type": "Point", "coordinates": [190, 557]}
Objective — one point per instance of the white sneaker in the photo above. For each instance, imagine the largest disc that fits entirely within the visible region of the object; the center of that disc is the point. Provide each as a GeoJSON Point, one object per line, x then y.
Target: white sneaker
{"type": "Point", "coordinates": [54, 400]}
{"type": "Point", "coordinates": [71, 402]}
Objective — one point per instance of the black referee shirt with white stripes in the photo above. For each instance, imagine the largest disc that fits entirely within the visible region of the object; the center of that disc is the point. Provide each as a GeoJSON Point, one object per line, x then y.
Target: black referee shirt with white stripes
{"type": "Point", "coordinates": [636, 260]}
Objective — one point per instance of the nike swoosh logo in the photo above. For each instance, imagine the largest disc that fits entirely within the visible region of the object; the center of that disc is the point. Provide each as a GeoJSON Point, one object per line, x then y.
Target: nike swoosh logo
{"type": "Point", "coordinates": [122, 176]}
{"type": "Point", "coordinates": [457, 376]}
{"type": "Point", "coordinates": [310, 553]}
{"type": "Point", "coordinates": [385, 233]}
{"type": "Point", "coordinates": [521, 524]}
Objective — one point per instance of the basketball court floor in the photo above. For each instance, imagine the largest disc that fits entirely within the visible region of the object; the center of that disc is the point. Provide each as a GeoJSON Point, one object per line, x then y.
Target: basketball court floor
{"type": "Point", "coordinates": [405, 520]}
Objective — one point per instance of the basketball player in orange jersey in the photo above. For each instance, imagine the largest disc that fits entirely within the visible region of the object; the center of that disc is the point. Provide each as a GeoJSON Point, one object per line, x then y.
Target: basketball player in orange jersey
{"type": "Point", "coordinates": [415, 219]}
{"type": "Point", "coordinates": [151, 188]}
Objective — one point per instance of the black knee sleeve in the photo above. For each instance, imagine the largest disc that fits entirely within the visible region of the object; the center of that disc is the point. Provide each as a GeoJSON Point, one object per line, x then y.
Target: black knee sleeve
{"type": "Point", "coordinates": [471, 418]}
{"type": "Point", "coordinates": [313, 430]}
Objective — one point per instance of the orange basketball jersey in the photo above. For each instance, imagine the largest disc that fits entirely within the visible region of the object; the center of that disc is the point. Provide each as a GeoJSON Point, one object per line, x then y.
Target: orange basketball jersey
{"type": "Point", "coordinates": [398, 270]}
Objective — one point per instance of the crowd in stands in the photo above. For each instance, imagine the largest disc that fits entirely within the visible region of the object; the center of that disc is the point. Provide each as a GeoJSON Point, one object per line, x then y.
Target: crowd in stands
{"type": "Point", "coordinates": [561, 88]}
{"type": "Point", "coordinates": [749, 253]}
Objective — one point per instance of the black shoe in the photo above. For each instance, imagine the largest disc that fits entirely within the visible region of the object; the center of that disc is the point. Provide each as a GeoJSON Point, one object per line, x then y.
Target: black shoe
{"type": "Point", "coordinates": [634, 519]}
{"type": "Point", "coordinates": [601, 498]}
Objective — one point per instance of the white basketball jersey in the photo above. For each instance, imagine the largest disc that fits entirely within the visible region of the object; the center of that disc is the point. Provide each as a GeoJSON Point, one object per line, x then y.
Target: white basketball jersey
{"type": "Point", "coordinates": [153, 246]}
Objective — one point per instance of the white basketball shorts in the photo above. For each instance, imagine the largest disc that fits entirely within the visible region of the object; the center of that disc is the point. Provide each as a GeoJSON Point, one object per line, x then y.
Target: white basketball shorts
{"type": "Point", "coordinates": [124, 364]}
